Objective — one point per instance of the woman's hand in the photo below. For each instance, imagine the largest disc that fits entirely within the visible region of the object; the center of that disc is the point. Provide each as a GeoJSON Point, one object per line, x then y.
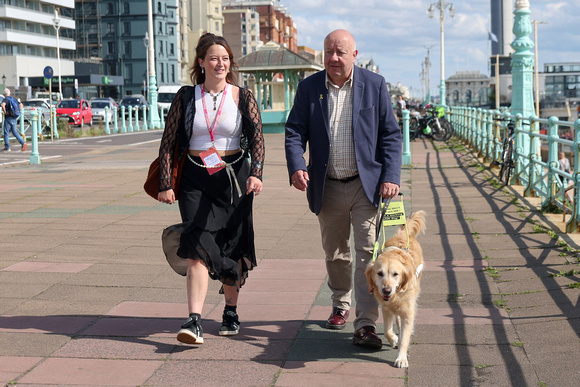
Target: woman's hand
{"type": "Point", "coordinates": [253, 184]}
{"type": "Point", "coordinates": [166, 196]}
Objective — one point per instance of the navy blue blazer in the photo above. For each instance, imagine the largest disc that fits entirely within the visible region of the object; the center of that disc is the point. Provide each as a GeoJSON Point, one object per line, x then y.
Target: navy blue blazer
{"type": "Point", "coordinates": [376, 133]}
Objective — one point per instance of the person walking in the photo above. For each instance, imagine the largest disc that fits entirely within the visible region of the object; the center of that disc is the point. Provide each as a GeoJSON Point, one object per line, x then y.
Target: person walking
{"type": "Point", "coordinates": [345, 115]}
{"type": "Point", "coordinates": [217, 127]}
{"type": "Point", "coordinates": [11, 121]}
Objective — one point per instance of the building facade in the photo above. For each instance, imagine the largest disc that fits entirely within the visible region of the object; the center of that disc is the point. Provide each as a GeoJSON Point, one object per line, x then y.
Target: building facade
{"type": "Point", "coordinates": [275, 22]}
{"type": "Point", "coordinates": [28, 42]}
{"type": "Point", "coordinates": [242, 31]}
{"type": "Point", "coordinates": [468, 88]}
{"type": "Point", "coordinates": [203, 16]}
{"type": "Point", "coordinates": [561, 96]}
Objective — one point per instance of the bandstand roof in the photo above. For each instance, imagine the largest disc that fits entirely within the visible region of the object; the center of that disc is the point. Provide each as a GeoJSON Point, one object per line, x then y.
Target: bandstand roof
{"type": "Point", "coordinates": [273, 57]}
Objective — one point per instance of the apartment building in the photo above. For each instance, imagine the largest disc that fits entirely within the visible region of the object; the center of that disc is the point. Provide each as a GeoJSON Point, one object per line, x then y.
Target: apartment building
{"type": "Point", "coordinates": [28, 41]}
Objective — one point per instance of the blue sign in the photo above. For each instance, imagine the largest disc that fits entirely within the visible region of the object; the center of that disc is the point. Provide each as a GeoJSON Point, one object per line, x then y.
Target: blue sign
{"type": "Point", "coordinates": [48, 72]}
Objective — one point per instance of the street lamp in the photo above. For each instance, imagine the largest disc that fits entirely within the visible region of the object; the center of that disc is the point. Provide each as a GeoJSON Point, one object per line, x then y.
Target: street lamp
{"type": "Point", "coordinates": [146, 43]}
{"type": "Point", "coordinates": [536, 66]}
{"type": "Point", "coordinates": [441, 5]}
{"type": "Point", "coordinates": [154, 120]}
{"type": "Point", "coordinates": [56, 21]}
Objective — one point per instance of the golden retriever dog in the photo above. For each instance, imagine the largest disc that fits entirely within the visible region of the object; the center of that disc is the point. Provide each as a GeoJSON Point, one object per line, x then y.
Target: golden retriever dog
{"type": "Point", "coordinates": [394, 280]}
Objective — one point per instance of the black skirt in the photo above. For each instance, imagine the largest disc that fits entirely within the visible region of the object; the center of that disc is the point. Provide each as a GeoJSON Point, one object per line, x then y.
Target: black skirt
{"type": "Point", "coordinates": [217, 223]}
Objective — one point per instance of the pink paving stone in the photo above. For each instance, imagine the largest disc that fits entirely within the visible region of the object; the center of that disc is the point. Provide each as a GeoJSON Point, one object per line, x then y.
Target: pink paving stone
{"type": "Point", "coordinates": [277, 284]}
{"type": "Point", "coordinates": [278, 297]}
{"type": "Point", "coordinates": [154, 309]}
{"type": "Point", "coordinates": [296, 373]}
{"type": "Point", "coordinates": [61, 371]}
{"type": "Point", "coordinates": [12, 367]}
{"type": "Point", "coordinates": [460, 316]}
{"type": "Point", "coordinates": [134, 327]}
{"type": "Point", "coordinates": [234, 348]}
{"type": "Point", "coordinates": [456, 265]}
{"type": "Point", "coordinates": [66, 325]}
{"type": "Point", "coordinates": [48, 267]}
{"type": "Point", "coordinates": [250, 311]}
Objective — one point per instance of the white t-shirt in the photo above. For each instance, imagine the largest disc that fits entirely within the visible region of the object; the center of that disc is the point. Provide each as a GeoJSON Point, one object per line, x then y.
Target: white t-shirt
{"type": "Point", "coordinates": [229, 128]}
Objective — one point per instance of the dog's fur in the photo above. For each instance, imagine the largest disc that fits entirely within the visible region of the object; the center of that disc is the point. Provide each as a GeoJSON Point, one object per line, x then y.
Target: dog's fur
{"type": "Point", "coordinates": [393, 281]}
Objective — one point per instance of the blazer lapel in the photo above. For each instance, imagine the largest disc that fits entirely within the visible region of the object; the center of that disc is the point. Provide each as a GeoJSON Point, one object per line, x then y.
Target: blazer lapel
{"type": "Point", "coordinates": [357, 93]}
{"type": "Point", "coordinates": [323, 102]}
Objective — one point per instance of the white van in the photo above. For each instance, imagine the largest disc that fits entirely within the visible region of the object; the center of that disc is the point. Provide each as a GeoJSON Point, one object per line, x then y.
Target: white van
{"type": "Point", "coordinates": [56, 96]}
{"type": "Point", "coordinates": [165, 95]}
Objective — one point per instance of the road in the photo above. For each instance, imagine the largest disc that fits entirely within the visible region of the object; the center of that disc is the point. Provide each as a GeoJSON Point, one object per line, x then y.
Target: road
{"type": "Point", "coordinates": [72, 146]}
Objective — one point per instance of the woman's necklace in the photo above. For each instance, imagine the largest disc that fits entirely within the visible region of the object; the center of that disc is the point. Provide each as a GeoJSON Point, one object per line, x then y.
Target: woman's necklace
{"type": "Point", "coordinates": [214, 97]}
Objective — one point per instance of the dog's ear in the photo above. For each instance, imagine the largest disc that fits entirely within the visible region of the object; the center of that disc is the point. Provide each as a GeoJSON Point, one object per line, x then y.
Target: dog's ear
{"type": "Point", "coordinates": [369, 275]}
{"type": "Point", "coordinates": [406, 277]}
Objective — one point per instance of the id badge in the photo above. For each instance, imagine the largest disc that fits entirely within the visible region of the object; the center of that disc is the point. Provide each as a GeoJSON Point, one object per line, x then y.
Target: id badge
{"type": "Point", "coordinates": [212, 160]}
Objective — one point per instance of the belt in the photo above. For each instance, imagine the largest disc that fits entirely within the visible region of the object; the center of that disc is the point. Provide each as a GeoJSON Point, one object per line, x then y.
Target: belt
{"type": "Point", "coordinates": [345, 180]}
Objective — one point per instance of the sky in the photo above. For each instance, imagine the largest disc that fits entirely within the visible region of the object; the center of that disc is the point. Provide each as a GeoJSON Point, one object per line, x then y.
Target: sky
{"type": "Point", "coordinates": [395, 34]}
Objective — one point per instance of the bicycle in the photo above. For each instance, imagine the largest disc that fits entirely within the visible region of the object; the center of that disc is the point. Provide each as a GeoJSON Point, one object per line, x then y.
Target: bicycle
{"type": "Point", "coordinates": [507, 155]}
{"type": "Point", "coordinates": [432, 125]}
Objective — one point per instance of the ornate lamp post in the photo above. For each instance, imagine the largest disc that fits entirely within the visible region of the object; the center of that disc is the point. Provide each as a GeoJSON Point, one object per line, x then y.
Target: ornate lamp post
{"type": "Point", "coordinates": [56, 21]}
{"type": "Point", "coordinates": [146, 43]}
{"type": "Point", "coordinates": [154, 116]}
{"type": "Point", "coordinates": [441, 5]}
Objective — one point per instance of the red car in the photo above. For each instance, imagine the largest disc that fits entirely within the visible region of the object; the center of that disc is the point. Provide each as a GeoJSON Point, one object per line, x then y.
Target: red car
{"type": "Point", "coordinates": [76, 111]}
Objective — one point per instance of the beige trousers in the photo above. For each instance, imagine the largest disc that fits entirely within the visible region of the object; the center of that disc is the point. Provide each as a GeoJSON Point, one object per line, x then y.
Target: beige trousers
{"type": "Point", "coordinates": [346, 205]}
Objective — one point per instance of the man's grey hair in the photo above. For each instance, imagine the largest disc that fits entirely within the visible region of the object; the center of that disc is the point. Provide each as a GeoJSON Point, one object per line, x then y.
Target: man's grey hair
{"type": "Point", "coordinates": [6, 92]}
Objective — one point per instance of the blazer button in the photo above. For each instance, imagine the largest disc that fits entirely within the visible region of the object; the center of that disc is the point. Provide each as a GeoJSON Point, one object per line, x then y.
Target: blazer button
{"type": "Point", "coordinates": [325, 165]}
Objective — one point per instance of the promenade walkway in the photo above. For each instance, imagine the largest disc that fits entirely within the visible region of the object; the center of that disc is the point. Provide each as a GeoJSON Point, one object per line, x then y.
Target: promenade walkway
{"type": "Point", "coordinates": [87, 298]}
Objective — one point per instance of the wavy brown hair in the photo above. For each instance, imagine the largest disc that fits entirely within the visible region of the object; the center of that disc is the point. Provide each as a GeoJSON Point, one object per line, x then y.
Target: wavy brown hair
{"type": "Point", "coordinates": [205, 42]}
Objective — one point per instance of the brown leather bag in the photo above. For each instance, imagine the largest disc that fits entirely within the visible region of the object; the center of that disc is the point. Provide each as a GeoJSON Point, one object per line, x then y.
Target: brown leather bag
{"type": "Point", "coordinates": [151, 185]}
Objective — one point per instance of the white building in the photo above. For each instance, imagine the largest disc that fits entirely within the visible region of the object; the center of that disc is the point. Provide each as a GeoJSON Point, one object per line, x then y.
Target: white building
{"type": "Point", "coordinates": [204, 16]}
{"type": "Point", "coordinates": [28, 41]}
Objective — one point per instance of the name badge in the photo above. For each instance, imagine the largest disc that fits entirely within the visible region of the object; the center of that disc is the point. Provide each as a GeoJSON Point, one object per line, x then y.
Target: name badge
{"type": "Point", "coordinates": [212, 160]}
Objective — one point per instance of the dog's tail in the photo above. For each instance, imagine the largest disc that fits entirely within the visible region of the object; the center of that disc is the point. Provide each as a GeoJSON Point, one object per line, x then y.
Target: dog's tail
{"type": "Point", "coordinates": [416, 224]}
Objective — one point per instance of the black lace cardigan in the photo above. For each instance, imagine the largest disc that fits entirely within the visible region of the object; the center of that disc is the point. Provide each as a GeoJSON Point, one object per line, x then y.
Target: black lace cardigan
{"type": "Point", "coordinates": [178, 129]}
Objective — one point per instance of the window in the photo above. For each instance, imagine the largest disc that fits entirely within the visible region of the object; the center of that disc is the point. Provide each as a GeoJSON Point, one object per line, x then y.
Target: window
{"type": "Point", "coordinates": [161, 48]}
{"type": "Point", "coordinates": [112, 48]}
{"type": "Point", "coordinates": [110, 28]}
{"type": "Point", "coordinates": [160, 28]}
{"type": "Point", "coordinates": [159, 7]}
{"type": "Point", "coordinates": [127, 49]}
{"type": "Point", "coordinates": [110, 9]}
{"type": "Point", "coordinates": [171, 49]}
{"type": "Point", "coordinates": [161, 72]}
{"type": "Point", "coordinates": [171, 31]}
{"type": "Point", "coordinates": [126, 8]}
{"type": "Point", "coordinates": [217, 27]}
{"type": "Point", "coordinates": [128, 73]}
{"type": "Point", "coordinates": [173, 74]}
{"type": "Point", "coordinates": [127, 28]}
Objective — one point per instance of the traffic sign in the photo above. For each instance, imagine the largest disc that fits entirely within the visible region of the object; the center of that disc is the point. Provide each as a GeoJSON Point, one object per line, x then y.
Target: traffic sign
{"type": "Point", "coordinates": [48, 73]}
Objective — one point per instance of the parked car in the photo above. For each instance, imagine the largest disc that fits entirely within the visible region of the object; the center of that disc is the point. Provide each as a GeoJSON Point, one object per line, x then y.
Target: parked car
{"type": "Point", "coordinates": [165, 96]}
{"type": "Point", "coordinates": [98, 106]}
{"type": "Point", "coordinates": [76, 111]}
{"type": "Point", "coordinates": [135, 100]}
{"type": "Point", "coordinates": [40, 106]}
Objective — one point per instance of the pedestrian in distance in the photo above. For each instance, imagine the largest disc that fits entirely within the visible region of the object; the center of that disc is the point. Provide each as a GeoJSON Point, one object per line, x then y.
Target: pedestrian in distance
{"type": "Point", "coordinates": [217, 127]}
{"type": "Point", "coordinates": [11, 108]}
{"type": "Point", "coordinates": [344, 115]}
{"type": "Point", "coordinates": [401, 105]}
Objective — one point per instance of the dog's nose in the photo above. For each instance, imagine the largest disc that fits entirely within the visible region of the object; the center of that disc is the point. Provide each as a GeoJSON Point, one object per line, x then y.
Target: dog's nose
{"type": "Point", "coordinates": [386, 290]}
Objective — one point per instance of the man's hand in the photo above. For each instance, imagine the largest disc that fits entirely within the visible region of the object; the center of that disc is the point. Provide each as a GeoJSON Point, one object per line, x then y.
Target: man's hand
{"type": "Point", "coordinates": [389, 190]}
{"type": "Point", "coordinates": [300, 180]}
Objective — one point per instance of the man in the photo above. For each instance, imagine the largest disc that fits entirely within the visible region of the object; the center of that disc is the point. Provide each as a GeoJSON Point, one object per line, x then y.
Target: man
{"type": "Point", "coordinates": [401, 105]}
{"type": "Point", "coordinates": [345, 115]}
{"type": "Point", "coordinates": [10, 125]}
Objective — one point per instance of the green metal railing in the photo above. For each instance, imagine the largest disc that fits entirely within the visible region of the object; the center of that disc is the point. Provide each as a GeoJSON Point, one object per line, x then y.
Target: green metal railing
{"type": "Point", "coordinates": [536, 148]}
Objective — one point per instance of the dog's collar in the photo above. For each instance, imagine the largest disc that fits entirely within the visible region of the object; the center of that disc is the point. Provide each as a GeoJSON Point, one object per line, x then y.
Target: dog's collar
{"type": "Point", "coordinates": [418, 269]}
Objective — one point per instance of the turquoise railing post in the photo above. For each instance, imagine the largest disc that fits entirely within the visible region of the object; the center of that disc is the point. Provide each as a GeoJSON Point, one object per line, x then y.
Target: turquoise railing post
{"type": "Point", "coordinates": [572, 225]}
{"type": "Point", "coordinates": [481, 132]}
{"type": "Point", "coordinates": [145, 118]}
{"type": "Point", "coordinates": [488, 136]}
{"type": "Point", "coordinates": [162, 117]}
{"type": "Point", "coordinates": [115, 120]}
{"type": "Point", "coordinates": [406, 143]}
{"type": "Point", "coordinates": [54, 124]}
{"type": "Point", "coordinates": [34, 155]}
{"type": "Point", "coordinates": [130, 119]}
{"type": "Point", "coordinates": [21, 126]}
{"type": "Point", "coordinates": [136, 110]}
{"type": "Point", "coordinates": [107, 129]}
{"type": "Point", "coordinates": [552, 164]}
{"type": "Point", "coordinates": [123, 121]}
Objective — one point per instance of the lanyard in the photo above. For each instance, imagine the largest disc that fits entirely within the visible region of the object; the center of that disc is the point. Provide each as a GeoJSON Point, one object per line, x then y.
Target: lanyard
{"type": "Point", "coordinates": [211, 127]}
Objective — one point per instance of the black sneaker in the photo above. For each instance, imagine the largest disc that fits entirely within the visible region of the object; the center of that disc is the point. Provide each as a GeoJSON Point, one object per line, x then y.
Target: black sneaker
{"type": "Point", "coordinates": [230, 324]}
{"type": "Point", "coordinates": [191, 331]}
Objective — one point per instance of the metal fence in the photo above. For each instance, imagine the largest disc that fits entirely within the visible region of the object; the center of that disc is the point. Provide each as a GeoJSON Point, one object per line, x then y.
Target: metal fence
{"type": "Point", "coordinates": [536, 147]}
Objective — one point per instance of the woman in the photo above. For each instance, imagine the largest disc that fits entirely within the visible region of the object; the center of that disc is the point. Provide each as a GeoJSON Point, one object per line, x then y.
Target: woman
{"type": "Point", "coordinates": [216, 126]}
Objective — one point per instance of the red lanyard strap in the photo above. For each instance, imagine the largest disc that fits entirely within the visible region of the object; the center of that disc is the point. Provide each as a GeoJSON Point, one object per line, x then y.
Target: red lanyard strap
{"type": "Point", "coordinates": [211, 127]}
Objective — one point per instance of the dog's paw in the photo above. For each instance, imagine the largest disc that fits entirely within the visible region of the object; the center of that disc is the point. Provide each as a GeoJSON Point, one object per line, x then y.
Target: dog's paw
{"type": "Point", "coordinates": [401, 361]}
{"type": "Point", "coordinates": [393, 340]}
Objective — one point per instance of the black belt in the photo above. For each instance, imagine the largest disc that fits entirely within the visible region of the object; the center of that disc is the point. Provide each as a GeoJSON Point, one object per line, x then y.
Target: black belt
{"type": "Point", "coordinates": [345, 180]}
